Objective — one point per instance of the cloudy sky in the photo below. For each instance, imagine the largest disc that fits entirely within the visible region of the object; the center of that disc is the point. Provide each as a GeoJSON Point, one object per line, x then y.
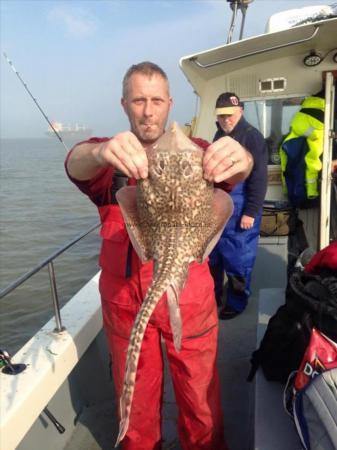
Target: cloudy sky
{"type": "Point", "coordinates": [73, 54]}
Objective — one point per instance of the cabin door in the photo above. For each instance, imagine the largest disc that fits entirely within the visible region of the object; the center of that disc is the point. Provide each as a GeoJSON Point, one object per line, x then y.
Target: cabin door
{"type": "Point", "coordinates": [329, 133]}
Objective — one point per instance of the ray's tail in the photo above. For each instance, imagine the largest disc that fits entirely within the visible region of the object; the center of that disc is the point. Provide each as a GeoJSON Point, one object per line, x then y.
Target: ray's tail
{"type": "Point", "coordinates": [162, 281]}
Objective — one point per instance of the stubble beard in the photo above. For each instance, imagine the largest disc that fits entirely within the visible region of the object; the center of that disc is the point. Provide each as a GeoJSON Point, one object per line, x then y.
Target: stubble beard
{"type": "Point", "coordinates": [147, 135]}
{"type": "Point", "coordinates": [228, 129]}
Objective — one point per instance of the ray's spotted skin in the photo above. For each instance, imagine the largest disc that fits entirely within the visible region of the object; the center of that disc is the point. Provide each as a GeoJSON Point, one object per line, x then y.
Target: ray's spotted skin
{"type": "Point", "coordinates": [174, 217]}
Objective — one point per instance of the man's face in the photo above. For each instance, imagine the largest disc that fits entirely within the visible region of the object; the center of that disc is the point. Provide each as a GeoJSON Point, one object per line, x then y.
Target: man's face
{"type": "Point", "coordinates": [147, 104]}
{"type": "Point", "coordinates": [228, 121]}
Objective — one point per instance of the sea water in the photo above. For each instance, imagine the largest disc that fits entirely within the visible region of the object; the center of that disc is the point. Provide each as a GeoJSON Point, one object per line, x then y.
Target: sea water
{"type": "Point", "coordinates": [40, 210]}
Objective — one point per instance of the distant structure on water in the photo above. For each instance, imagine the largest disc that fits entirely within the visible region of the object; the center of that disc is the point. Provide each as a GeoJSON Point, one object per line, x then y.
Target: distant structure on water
{"type": "Point", "coordinates": [68, 131]}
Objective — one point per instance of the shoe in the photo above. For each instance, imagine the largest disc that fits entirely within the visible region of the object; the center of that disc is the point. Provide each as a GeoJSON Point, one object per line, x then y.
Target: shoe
{"type": "Point", "coordinates": [228, 313]}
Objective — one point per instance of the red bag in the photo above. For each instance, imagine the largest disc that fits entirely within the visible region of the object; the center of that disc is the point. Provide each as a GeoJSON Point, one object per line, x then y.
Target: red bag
{"type": "Point", "coordinates": [324, 259]}
{"type": "Point", "coordinates": [320, 355]}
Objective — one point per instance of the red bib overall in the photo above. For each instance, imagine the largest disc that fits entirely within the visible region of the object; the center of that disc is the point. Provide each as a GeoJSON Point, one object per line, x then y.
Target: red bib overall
{"type": "Point", "coordinates": [193, 369]}
{"type": "Point", "coordinates": [123, 287]}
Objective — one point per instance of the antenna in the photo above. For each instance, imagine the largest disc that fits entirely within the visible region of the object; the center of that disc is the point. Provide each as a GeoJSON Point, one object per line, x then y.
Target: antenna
{"type": "Point", "coordinates": [235, 5]}
{"type": "Point", "coordinates": [34, 100]}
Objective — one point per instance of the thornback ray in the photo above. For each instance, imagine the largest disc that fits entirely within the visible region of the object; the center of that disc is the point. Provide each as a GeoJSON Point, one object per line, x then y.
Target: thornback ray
{"type": "Point", "coordinates": [173, 217]}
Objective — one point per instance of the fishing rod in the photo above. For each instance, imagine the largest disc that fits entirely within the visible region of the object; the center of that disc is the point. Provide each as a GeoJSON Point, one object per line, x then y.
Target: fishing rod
{"type": "Point", "coordinates": [35, 101]}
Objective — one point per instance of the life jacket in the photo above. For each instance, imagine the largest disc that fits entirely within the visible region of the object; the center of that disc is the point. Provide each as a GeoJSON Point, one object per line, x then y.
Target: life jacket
{"type": "Point", "coordinates": [300, 153]}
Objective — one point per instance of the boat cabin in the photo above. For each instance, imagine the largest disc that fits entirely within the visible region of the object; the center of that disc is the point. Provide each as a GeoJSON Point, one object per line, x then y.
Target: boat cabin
{"type": "Point", "coordinates": [272, 74]}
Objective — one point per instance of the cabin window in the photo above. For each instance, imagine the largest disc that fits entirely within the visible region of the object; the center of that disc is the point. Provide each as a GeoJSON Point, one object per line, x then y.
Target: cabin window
{"type": "Point", "coordinates": [279, 84]}
{"type": "Point", "coordinates": [272, 117]}
{"type": "Point", "coordinates": [272, 85]}
{"type": "Point", "coordinates": [266, 86]}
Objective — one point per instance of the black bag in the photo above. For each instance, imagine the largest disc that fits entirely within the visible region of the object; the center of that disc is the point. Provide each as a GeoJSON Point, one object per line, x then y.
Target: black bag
{"type": "Point", "coordinates": [311, 300]}
{"type": "Point", "coordinates": [316, 295]}
{"type": "Point", "coordinates": [283, 345]}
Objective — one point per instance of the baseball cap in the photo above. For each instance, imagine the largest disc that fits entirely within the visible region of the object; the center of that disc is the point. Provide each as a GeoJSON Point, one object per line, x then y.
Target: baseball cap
{"type": "Point", "coordinates": [227, 103]}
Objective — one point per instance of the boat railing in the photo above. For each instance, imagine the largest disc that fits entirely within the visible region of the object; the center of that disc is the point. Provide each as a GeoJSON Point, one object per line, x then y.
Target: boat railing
{"type": "Point", "coordinates": [255, 52]}
{"type": "Point", "coordinates": [49, 261]}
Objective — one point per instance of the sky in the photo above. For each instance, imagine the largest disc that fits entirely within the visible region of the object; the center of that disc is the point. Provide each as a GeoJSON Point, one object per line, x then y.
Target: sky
{"type": "Point", "coordinates": [73, 55]}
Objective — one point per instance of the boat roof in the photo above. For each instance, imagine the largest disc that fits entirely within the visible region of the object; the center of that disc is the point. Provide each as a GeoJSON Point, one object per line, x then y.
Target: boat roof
{"type": "Point", "coordinates": [199, 68]}
{"type": "Point", "coordinates": [299, 16]}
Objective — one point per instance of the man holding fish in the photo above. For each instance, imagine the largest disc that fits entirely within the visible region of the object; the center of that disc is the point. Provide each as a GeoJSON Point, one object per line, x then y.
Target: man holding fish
{"type": "Point", "coordinates": [96, 167]}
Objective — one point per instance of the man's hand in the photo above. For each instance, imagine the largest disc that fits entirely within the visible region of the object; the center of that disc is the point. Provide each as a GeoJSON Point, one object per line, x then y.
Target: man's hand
{"type": "Point", "coordinates": [246, 222]}
{"type": "Point", "coordinates": [125, 152]}
{"type": "Point", "coordinates": [226, 160]}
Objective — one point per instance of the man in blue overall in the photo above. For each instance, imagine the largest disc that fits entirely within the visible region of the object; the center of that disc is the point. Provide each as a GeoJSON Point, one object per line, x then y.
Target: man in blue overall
{"type": "Point", "coordinates": [236, 250]}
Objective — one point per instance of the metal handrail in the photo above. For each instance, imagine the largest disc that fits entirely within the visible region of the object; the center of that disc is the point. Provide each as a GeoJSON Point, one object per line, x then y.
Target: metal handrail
{"type": "Point", "coordinates": [255, 52]}
{"type": "Point", "coordinates": [48, 262]}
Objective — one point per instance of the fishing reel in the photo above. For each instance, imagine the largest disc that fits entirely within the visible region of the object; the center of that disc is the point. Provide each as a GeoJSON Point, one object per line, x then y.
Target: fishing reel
{"type": "Point", "coordinates": [13, 369]}
{"type": "Point", "coordinates": [7, 366]}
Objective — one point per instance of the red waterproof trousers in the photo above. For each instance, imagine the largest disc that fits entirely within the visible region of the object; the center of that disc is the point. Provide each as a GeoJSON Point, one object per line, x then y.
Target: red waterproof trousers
{"type": "Point", "coordinates": [193, 369]}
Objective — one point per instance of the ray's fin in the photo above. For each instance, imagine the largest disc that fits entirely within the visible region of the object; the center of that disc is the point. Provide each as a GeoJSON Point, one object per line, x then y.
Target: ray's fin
{"type": "Point", "coordinates": [173, 295]}
{"type": "Point", "coordinates": [127, 201]}
{"type": "Point", "coordinates": [222, 209]}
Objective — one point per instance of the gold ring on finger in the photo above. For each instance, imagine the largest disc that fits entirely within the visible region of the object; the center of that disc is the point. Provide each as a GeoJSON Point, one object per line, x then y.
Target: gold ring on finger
{"type": "Point", "coordinates": [233, 161]}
